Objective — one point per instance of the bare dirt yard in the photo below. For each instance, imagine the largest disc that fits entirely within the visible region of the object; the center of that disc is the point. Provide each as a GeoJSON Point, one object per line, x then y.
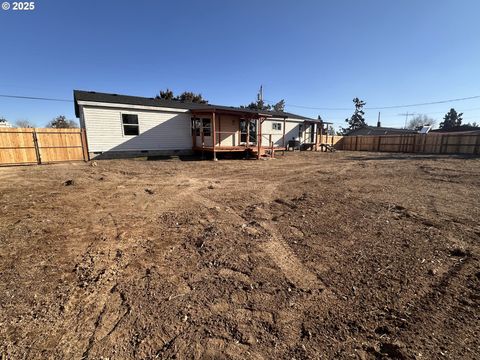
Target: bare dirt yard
{"type": "Point", "coordinates": [314, 255]}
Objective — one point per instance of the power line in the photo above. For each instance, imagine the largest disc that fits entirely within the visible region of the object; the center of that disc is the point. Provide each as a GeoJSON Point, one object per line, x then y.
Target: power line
{"type": "Point", "coordinates": [390, 115]}
{"type": "Point", "coordinates": [423, 104]}
{"type": "Point", "coordinates": [290, 105]}
{"type": "Point", "coordinates": [382, 107]}
{"type": "Point", "coordinates": [34, 98]}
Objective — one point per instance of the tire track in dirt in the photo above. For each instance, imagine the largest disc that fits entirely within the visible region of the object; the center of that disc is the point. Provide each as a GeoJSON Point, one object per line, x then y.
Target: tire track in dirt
{"type": "Point", "coordinates": [106, 308]}
{"type": "Point", "coordinates": [275, 247]}
{"type": "Point", "coordinates": [96, 302]}
{"type": "Point", "coordinates": [288, 262]}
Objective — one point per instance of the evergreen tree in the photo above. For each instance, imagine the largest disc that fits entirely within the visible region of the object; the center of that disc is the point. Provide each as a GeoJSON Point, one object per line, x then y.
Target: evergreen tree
{"type": "Point", "coordinates": [279, 106]}
{"type": "Point", "coordinates": [186, 96]}
{"type": "Point", "coordinates": [451, 120]}
{"type": "Point", "coordinates": [165, 95]}
{"type": "Point", "coordinates": [356, 120]}
{"type": "Point", "coordinates": [258, 105]}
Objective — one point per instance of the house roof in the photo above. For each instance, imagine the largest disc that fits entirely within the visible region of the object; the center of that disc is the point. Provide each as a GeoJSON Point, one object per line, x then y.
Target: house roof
{"type": "Point", "coordinates": [92, 96]}
{"type": "Point", "coordinates": [377, 130]}
{"type": "Point", "coordinates": [459, 129]}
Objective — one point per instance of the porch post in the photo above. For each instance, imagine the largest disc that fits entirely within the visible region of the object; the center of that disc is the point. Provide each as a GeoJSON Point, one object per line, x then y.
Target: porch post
{"type": "Point", "coordinates": [259, 135]}
{"type": "Point", "coordinates": [271, 146]}
{"type": "Point", "coordinates": [283, 139]}
{"type": "Point", "coordinates": [214, 136]}
{"type": "Point", "coordinates": [194, 132]}
{"type": "Point", "coordinates": [321, 136]}
{"type": "Point", "coordinates": [304, 132]}
{"type": "Point", "coordinates": [247, 122]}
{"type": "Point", "coordinates": [316, 137]}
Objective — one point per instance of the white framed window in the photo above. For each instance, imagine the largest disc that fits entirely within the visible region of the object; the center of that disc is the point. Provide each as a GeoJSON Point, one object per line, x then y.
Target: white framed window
{"type": "Point", "coordinates": [130, 125]}
{"type": "Point", "coordinates": [207, 127]}
{"type": "Point", "coordinates": [277, 126]}
{"type": "Point", "coordinates": [196, 125]}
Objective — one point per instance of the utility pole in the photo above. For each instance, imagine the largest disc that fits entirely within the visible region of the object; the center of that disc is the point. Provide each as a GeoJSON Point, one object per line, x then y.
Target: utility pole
{"type": "Point", "coordinates": [407, 114]}
{"type": "Point", "coordinates": [378, 121]}
{"type": "Point", "coordinates": [260, 94]}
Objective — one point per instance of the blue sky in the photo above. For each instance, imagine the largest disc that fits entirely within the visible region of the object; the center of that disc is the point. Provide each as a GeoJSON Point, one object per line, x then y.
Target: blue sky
{"type": "Point", "coordinates": [311, 53]}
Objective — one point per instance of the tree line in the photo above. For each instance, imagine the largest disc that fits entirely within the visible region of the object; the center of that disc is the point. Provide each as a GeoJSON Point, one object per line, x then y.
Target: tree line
{"type": "Point", "coordinates": [451, 120]}
{"type": "Point", "coordinates": [189, 96]}
{"type": "Point", "coordinates": [59, 122]}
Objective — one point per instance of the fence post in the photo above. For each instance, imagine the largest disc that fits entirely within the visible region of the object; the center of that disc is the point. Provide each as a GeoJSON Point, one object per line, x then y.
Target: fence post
{"type": "Point", "coordinates": [37, 148]}
{"type": "Point", "coordinates": [476, 149]}
{"type": "Point", "coordinates": [443, 147]}
{"type": "Point", "coordinates": [271, 145]}
{"type": "Point", "coordinates": [83, 137]}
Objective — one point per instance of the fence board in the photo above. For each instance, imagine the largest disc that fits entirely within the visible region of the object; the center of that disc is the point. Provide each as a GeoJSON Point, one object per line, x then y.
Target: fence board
{"type": "Point", "coordinates": [444, 143]}
{"type": "Point", "coordinates": [17, 146]}
{"type": "Point", "coordinates": [30, 146]}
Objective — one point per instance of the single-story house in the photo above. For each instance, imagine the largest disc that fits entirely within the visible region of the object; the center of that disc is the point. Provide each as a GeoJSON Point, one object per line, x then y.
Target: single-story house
{"type": "Point", "coordinates": [379, 130]}
{"type": "Point", "coordinates": [5, 124]}
{"type": "Point", "coordinates": [459, 129]}
{"type": "Point", "coordinates": [120, 125]}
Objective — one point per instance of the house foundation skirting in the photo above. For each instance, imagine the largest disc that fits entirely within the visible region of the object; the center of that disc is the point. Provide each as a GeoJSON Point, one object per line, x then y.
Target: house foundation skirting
{"type": "Point", "coordinates": [138, 153]}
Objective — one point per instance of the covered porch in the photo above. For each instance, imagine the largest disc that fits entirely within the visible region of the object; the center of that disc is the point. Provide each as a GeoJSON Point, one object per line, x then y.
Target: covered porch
{"type": "Point", "coordinates": [314, 135]}
{"type": "Point", "coordinates": [221, 130]}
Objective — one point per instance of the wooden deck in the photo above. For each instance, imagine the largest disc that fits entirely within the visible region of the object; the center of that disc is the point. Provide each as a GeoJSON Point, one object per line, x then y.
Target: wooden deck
{"type": "Point", "coordinates": [252, 148]}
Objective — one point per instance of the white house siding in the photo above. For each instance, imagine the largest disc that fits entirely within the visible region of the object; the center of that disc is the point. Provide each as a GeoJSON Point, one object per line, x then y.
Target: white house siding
{"type": "Point", "coordinates": [228, 127]}
{"type": "Point", "coordinates": [291, 131]}
{"type": "Point", "coordinates": [159, 130]}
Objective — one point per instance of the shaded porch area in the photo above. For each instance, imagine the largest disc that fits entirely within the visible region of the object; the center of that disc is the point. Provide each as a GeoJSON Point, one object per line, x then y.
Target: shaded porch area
{"type": "Point", "coordinates": [314, 135]}
{"type": "Point", "coordinates": [223, 130]}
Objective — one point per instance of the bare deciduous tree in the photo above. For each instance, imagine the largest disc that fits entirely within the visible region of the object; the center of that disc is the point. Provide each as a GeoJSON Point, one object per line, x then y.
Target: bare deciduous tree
{"type": "Point", "coordinates": [24, 123]}
{"type": "Point", "coordinates": [61, 122]}
{"type": "Point", "coordinates": [419, 121]}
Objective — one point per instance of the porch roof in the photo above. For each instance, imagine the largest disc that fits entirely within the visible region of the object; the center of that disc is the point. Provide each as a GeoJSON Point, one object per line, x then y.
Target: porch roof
{"type": "Point", "coordinates": [249, 113]}
{"type": "Point", "coordinates": [316, 121]}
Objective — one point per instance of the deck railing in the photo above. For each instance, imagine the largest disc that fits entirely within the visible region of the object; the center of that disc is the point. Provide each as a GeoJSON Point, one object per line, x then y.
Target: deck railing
{"type": "Point", "coordinates": [222, 138]}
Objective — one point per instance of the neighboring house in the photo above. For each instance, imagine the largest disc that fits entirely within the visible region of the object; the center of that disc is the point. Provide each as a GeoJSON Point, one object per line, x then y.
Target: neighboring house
{"type": "Point", "coordinates": [120, 125]}
{"type": "Point", "coordinates": [5, 124]}
{"type": "Point", "coordinates": [378, 130]}
{"type": "Point", "coordinates": [458, 129]}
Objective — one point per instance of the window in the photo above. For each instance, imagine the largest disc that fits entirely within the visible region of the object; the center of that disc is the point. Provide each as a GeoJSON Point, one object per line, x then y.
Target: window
{"type": "Point", "coordinates": [130, 124]}
{"type": "Point", "coordinates": [195, 127]}
{"type": "Point", "coordinates": [276, 126]}
{"type": "Point", "coordinates": [206, 127]}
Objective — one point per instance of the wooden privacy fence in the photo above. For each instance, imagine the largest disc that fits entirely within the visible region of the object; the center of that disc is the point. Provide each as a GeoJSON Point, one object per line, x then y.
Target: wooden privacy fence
{"type": "Point", "coordinates": [40, 146]}
{"type": "Point", "coordinates": [446, 143]}
{"type": "Point", "coordinates": [330, 139]}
